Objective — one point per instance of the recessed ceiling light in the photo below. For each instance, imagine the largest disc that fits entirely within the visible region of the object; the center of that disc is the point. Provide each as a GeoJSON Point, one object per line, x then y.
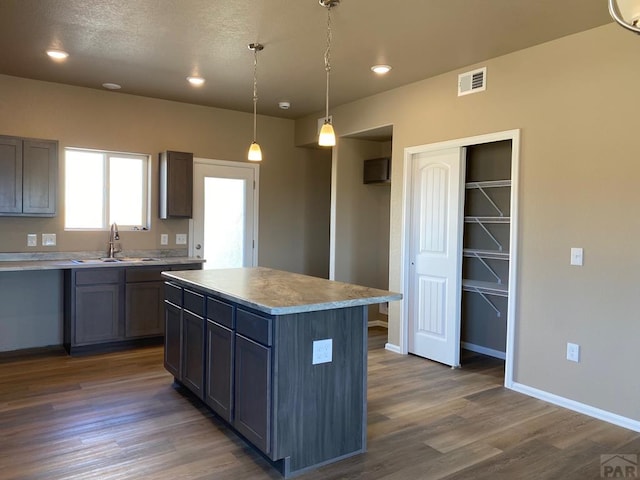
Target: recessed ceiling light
{"type": "Point", "coordinates": [111, 86]}
{"type": "Point", "coordinates": [57, 54]}
{"type": "Point", "coordinates": [381, 69]}
{"type": "Point", "coordinates": [196, 81]}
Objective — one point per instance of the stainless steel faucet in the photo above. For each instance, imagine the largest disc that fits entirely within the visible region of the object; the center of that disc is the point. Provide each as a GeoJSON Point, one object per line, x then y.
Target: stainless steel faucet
{"type": "Point", "coordinates": [113, 236]}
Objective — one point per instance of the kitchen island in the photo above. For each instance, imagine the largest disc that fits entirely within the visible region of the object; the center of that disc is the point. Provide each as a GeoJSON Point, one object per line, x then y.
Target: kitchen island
{"type": "Point", "coordinates": [281, 357]}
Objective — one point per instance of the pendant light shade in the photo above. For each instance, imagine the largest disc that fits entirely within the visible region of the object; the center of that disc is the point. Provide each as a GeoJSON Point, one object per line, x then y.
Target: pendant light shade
{"type": "Point", "coordinates": [327, 137]}
{"type": "Point", "coordinates": [626, 13]}
{"type": "Point", "coordinates": [255, 153]}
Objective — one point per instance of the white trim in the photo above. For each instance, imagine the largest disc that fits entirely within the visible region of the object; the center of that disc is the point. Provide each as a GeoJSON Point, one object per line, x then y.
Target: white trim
{"type": "Point", "coordinates": [378, 323]}
{"type": "Point", "coordinates": [333, 214]}
{"type": "Point", "coordinates": [514, 136]}
{"type": "Point", "coordinates": [483, 350]}
{"type": "Point", "coordinates": [392, 348]}
{"type": "Point", "coordinates": [594, 412]}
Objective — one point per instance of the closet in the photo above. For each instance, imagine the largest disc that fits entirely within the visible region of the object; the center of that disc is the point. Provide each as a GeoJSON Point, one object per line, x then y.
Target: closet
{"type": "Point", "coordinates": [485, 263]}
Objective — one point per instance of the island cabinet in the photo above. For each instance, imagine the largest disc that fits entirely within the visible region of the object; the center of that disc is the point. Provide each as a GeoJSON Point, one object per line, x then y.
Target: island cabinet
{"type": "Point", "coordinates": [220, 351]}
{"type": "Point", "coordinates": [292, 382]}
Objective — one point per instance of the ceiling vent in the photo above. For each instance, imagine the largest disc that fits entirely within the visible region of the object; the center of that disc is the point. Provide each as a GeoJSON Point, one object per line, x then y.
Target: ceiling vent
{"type": "Point", "coordinates": [472, 82]}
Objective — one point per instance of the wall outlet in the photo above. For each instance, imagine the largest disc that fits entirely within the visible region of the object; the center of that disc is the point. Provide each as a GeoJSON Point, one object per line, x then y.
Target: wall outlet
{"type": "Point", "coordinates": [573, 352]}
{"type": "Point", "coordinates": [164, 239]}
{"type": "Point", "coordinates": [322, 351]}
{"type": "Point", "coordinates": [32, 240]}
{"type": "Point", "coordinates": [48, 239]}
{"type": "Point", "coordinates": [181, 238]}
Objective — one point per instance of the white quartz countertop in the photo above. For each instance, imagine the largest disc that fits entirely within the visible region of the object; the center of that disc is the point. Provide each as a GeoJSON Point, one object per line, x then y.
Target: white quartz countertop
{"type": "Point", "coordinates": [80, 262]}
{"type": "Point", "coordinates": [276, 292]}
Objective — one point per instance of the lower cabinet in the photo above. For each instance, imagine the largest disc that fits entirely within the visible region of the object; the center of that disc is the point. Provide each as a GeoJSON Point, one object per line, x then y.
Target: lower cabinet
{"type": "Point", "coordinates": [98, 313]}
{"type": "Point", "coordinates": [253, 392]}
{"type": "Point", "coordinates": [97, 306]}
{"type": "Point", "coordinates": [219, 375]}
{"type": "Point", "coordinates": [113, 307]}
{"type": "Point", "coordinates": [173, 340]}
{"type": "Point", "coordinates": [193, 352]}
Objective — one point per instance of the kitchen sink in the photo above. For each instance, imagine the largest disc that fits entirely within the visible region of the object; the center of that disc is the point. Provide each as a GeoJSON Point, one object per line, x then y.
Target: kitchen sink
{"type": "Point", "coordinates": [113, 260]}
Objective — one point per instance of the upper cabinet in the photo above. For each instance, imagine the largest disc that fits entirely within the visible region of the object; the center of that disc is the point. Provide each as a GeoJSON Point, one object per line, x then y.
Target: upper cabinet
{"type": "Point", "coordinates": [176, 185]}
{"type": "Point", "coordinates": [28, 177]}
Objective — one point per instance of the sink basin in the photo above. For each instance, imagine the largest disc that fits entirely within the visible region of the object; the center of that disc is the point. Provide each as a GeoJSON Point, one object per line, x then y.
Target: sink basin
{"type": "Point", "coordinates": [96, 260]}
{"type": "Point", "coordinates": [114, 260]}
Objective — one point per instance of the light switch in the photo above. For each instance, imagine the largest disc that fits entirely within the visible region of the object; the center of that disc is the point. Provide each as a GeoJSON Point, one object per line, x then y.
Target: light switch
{"type": "Point", "coordinates": [32, 240]}
{"type": "Point", "coordinates": [573, 352]}
{"type": "Point", "coordinates": [164, 239]}
{"type": "Point", "coordinates": [576, 256]}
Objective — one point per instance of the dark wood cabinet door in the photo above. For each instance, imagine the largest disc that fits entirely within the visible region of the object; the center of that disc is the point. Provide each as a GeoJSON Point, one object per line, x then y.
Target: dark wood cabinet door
{"type": "Point", "coordinates": [10, 175]}
{"type": "Point", "coordinates": [219, 381]}
{"type": "Point", "coordinates": [252, 406]}
{"type": "Point", "coordinates": [193, 352]}
{"type": "Point", "coordinates": [39, 177]}
{"type": "Point", "coordinates": [97, 310]}
{"type": "Point", "coordinates": [173, 340]}
{"type": "Point", "coordinates": [176, 184]}
{"type": "Point", "coordinates": [144, 311]}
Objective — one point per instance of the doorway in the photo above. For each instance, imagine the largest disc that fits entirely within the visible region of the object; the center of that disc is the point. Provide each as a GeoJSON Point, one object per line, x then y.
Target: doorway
{"type": "Point", "coordinates": [439, 293]}
{"type": "Point", "coordinates": [224, 227]}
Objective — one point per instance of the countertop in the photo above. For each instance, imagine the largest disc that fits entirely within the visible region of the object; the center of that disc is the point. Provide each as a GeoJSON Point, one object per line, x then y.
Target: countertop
{"type": "Point", "coordinates": [276, 292]}
{"type": "Point", "coordinates": [83, 260]}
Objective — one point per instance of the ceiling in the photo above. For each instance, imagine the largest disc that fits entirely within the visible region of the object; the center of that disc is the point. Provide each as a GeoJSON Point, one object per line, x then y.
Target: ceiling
{"type": "Point", "coordinates": [151, 46]}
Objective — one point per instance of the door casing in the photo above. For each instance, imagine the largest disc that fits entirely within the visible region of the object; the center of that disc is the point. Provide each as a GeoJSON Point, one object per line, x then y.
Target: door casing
{"type": "Point", "coordinates": [409, 152]}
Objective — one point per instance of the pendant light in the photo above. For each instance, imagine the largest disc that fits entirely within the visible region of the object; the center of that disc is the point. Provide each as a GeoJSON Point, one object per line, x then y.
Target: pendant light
{"type": "Point", "coordinates": [255, 154]}
{"type": "Point", "coordinates": [626, 13]}
{"type": "Point", "coordinates": [327, 137]}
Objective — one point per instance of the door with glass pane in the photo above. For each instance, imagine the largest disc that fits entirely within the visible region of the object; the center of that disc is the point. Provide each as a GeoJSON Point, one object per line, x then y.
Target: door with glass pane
{"type": "Point", "coordinates": [224, 225]}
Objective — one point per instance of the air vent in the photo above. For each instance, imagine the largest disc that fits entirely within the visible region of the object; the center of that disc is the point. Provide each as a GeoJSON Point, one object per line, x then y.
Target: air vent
{"type": "Point", "coordinates": [472, 82]}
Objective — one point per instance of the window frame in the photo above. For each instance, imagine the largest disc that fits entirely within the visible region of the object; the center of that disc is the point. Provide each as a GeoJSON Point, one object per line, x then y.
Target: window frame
{"type": "Point", "coordinates": [106, 188]}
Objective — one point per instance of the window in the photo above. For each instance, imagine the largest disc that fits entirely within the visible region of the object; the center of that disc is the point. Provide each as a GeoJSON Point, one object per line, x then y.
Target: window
{"type": "Point", "coordinates": [106, 187]}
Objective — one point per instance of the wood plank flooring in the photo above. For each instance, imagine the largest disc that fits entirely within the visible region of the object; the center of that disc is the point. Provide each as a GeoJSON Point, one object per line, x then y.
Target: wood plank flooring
{"type": "Point", "coordinates": [118, 416]}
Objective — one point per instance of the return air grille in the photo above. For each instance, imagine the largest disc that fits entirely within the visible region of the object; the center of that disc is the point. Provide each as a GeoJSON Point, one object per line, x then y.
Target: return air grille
{"type": "Point", "coordinates": [472, 82]}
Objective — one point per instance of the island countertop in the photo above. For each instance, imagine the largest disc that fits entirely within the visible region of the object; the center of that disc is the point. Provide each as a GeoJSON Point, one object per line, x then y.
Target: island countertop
{"type": "Point", "coordinates": [277, 292]}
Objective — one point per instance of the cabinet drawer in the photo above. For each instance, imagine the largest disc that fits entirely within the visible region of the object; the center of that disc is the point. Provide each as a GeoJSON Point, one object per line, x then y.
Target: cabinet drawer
{"type": "Point", "coordinates": [255, 327]}
{"type": "Point", "coordinates": [194, 302]}
{"type": "Point", "coordinates": [98, 276]}
{"type": "Point", "coordinates": [220, 312]}
{"type": "Point", "coordinates": [142, 274]}
{"type": "Point", "coordinates": [173, 293]}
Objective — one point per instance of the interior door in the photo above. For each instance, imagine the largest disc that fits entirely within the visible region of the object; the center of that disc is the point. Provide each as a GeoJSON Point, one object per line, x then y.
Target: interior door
{"type": "Point", "coordinates": [224, 225]}
{"type": "Point", "coordinates": [436, 255]}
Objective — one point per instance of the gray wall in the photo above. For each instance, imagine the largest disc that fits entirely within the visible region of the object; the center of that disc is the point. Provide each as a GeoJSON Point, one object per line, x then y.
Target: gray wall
{"type": "Point", "coordinates": [574, 101]}
{"type": "Point", "coordinates": [293, 183]}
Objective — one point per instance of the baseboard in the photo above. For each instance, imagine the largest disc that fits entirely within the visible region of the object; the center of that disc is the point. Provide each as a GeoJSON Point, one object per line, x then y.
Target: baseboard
{"type": "Point", "coordinates": [392, 348]}
{"type": "Point", "coordinates": [578, 407]}
{"type": "Point", "coordinates": [483, 350]}
{"type": "Point", "coordinates": [378, 323]}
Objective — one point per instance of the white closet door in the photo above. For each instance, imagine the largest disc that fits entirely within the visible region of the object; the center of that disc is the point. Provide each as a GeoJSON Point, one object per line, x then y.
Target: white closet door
{"type": "Point", "coordinates": [436, 255]}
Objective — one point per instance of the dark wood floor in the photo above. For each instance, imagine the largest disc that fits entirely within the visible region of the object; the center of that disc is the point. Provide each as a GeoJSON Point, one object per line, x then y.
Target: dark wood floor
{"type": "Point", "coordinates": [117, 416]}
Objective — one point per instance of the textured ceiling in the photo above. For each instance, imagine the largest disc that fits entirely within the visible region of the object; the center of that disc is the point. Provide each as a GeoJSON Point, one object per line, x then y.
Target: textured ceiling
{"type": "Point", "coordinates": [151, 46]}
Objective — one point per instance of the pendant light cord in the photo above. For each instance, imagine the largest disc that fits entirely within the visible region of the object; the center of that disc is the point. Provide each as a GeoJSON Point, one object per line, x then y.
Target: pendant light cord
{"type": "Point", "coordinates": [255, 91]}
{"type": "Point", "coordinates": [327, 61]}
